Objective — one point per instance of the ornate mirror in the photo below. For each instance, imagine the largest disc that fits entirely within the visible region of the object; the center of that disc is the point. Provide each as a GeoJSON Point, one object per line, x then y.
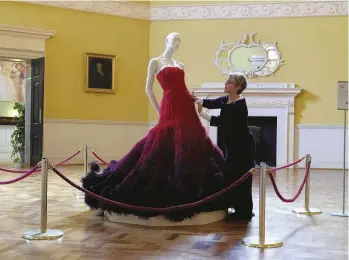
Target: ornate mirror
{"type": "Point", "coordinates": [249, 57]}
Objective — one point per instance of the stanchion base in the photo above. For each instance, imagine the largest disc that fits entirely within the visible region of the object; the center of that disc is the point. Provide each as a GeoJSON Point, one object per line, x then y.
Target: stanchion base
{"type": "Point", "coordinates": [307, 212]}
{"type": "Point", "coordinates": [339, 214]}
{"type": "Point", "coordinates": [50, 234]}
{"type": "Point", "coordinates": [270, 242]}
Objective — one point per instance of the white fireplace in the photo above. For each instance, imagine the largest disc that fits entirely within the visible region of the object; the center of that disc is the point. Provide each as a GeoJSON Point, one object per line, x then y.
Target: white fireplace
{"type": "Point", "coordinates": [263, 100]}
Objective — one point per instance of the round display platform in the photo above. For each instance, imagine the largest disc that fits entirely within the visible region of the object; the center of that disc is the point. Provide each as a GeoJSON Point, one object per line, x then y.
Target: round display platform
{"type": "Point", "coordinates": [203, 218]}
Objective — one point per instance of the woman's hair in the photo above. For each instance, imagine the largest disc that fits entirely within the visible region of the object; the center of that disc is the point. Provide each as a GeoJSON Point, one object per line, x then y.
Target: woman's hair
{"type": "Point", "coordinates": [238, 79]}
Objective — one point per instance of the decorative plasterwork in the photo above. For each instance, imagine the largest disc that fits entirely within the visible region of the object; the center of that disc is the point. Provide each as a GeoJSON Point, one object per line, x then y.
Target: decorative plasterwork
{"type": "Point", "coordinates": [256, 10]}
{"type": "Point", "coordinates": [22, 42]}
{"type": "Point", "coordinates": [25, 32]}
{"type": "Point", "coordinates": [117, 8]}
{"type": "Point", "coordinates": [217, 11]}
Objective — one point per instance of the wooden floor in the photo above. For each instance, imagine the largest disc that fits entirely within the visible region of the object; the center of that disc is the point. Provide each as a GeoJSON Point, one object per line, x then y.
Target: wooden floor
{"type": "Point", "coordinates": [90, 237]}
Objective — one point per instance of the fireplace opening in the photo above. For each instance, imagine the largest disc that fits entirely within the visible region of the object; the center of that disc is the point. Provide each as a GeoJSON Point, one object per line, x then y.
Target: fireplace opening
{"type": "Point", "coordinates": [265, 139]}
{"type": "Point", "coordinates": [266, 145]}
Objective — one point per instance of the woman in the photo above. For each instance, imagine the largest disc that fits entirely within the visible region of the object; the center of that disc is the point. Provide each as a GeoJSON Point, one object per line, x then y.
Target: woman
{"type": "Point", "coordinates": [237, 140]}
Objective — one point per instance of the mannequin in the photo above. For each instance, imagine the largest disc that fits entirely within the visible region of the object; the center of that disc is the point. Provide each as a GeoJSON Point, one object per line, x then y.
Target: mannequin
{"type": "Point", "coordinates": [173, 41]}
{"type": "Point", "coordinates": [175, 163]}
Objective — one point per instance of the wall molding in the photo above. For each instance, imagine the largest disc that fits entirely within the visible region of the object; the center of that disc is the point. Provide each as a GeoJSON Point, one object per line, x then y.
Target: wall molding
{"type": "Point", "coordinates": [23, 42]}
{"type": "Point", "coordinates": [206, 12]}
{"type": "Point", "coordinates": [94, 122]}
{"type": "Point", "coordinates": [116, 8]}
{"type": "Point", "coordinates": [316, 126]}
{"type": "Point", "coordinates": [324, 143]}
{"type": "Point", "coordinates": [21, 31]}
{"type": "Point", "coordinates": [112, 140]}
{"type": "Point", "coordinates": [253, 10]}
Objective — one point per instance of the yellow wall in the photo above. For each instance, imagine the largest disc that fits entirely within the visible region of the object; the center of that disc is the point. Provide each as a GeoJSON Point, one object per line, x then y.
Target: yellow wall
{"type": "Point", "coordinates": [315, 50]}
{"type": "Point", "coordinates": [79, 32]}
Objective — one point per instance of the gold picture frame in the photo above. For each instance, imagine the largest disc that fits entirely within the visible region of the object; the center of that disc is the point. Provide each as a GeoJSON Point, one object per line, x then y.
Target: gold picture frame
{"type": "Point", "coordinates": [100, 73]}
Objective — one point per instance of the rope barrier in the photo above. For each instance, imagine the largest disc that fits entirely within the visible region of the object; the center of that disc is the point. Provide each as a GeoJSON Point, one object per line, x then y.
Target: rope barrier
{"type": "Point", "coordinates": [299, 190]}
{"type": "Point", "coordinates": [21, 177]}
{"type": "Point", "coordinates": [151, 209]}
{"type": "Point", "coordinates": [27, 171]}
{"type": "Point", "coordinates": [98, 157]}
{"type": "Point", "coordinates": [307, 210]}
{"type": "Point", "coordinates": [261, 242]}
{"type": "Point", "coordinates": [69, 158]}
{"type": "Point", "coordinates": [43, 233]}
{"type": "Point", "coordinates": [15, 171]}
{"type": "Point", "coordinates": [287, 165]}
{"type": "Point", "coordinates": [282, 167]}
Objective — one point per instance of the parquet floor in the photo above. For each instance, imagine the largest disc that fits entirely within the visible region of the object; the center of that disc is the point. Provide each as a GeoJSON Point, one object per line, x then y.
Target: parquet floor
{"type": "Point", "coordinates": [88, 236]}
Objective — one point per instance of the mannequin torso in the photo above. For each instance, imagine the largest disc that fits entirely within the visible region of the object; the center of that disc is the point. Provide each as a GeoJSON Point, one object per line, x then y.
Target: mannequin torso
{"type": "Point", "coordinates": [157, 64]}
{"type": "Point", "coordinates": [163, 62]}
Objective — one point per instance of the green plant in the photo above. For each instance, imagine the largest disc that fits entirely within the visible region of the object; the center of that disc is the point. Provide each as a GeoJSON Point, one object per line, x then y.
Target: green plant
{"type": "Point", "coordinates": [17, 137]}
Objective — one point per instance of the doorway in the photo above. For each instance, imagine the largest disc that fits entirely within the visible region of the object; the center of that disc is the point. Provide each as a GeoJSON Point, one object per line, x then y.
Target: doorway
{"type": "Point", "coordinates": [29, 44]}
{"type": "Point", "coordinates": [21, 87]}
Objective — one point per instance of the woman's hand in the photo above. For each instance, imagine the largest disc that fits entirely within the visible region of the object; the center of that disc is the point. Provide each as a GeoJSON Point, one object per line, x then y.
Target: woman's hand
{"type": "Point", "coordinates": [199, 107]}
{"type": "Point", "coordinates": [193, 97]}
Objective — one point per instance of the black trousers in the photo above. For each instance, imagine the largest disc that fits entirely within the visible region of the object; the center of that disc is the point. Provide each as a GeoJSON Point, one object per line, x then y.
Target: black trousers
{"type": "Point", "coordinates": [239, 162]}
{"type": "Point", "coordinates": [242, 195]}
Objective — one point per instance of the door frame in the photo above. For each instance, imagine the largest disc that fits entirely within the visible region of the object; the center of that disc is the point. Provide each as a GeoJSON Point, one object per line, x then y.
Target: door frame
{"type": "Point", "coordinates": [23, 43]}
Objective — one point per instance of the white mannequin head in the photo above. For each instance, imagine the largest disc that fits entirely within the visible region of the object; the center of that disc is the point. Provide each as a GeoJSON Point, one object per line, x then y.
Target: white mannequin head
{"type": "Point", "coordinates": [173, 41]}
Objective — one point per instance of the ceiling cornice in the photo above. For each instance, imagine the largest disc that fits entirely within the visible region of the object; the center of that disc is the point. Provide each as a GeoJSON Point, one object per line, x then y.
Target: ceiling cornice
{"type": "Point", "coordinates": [206, 12]}
{"type": "Point", "coordinates": [253, 10]}
{"type": "Point", "coordinates": [116, 8]}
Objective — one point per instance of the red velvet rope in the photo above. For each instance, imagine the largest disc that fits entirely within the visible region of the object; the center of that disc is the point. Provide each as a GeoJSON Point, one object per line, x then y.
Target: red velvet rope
{"type": "Point", "coordinates": [287, 165]}
{"type": "Point", "coordinates": [16, 171]}
{"type": "Point", "coordinates": [150, 209]}
{"type": "Point", "coordinates": [298, 192]}
{"type": "Point", "coordinates": [26, 171]}
{"type": "Point", "coordinates": [69, 158]}
{"type": "Point", "coordinates": [99, 158]}
{"type": "Point", "coordinates": [21, 177]}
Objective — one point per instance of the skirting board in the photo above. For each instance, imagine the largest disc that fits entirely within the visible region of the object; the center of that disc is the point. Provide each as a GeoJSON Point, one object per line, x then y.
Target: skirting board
{"type": "Point", "coordinates": [112, 140]}
{"type": "Point", "coordinates": [325, 143]}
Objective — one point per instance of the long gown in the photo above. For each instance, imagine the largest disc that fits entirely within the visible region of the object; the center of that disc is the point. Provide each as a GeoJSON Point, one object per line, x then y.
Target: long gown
{"type": "Point", "coordinates": [175, 163]}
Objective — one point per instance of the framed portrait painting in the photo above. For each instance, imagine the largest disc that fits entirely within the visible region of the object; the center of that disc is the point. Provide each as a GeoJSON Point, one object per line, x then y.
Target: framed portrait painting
{"type": "Point", "coordinates": [100, 73]}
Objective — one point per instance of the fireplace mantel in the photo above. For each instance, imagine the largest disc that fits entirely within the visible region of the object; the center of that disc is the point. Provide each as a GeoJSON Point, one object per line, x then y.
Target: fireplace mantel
{"type": "Point", "coordinates": [263, 99]}
{"type": "Point", "coordinates": [284, 89]}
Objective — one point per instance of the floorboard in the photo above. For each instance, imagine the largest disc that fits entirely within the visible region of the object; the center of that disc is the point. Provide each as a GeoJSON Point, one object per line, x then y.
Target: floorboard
{"type": "Point", "coordinates": [88, 236]}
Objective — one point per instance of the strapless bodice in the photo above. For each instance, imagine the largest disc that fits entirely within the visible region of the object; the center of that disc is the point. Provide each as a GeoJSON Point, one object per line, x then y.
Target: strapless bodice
{"type": "Point", "coordinates": [172, 79]}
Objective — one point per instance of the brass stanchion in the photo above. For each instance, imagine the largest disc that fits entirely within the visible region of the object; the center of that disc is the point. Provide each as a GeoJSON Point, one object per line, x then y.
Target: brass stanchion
{"type": "Point", "coordinates": [86, 160]}
{"type": "Point", "coordinates": [85, 148]}
{"type": "Point", "coordinates": [43, 233]}
{"type": "Point", "coordinates": [262, 241]}
{"type": "Point", "coordinates": [307, 210]}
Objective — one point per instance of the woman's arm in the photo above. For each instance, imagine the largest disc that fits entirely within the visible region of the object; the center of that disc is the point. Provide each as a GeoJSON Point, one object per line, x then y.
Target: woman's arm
{"type": "Point", "coordinates": [214, 120]}
{"type": "Point", "coordinates": [152, 68]}
{"type": "Point", "coordinates": [212, 103]}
